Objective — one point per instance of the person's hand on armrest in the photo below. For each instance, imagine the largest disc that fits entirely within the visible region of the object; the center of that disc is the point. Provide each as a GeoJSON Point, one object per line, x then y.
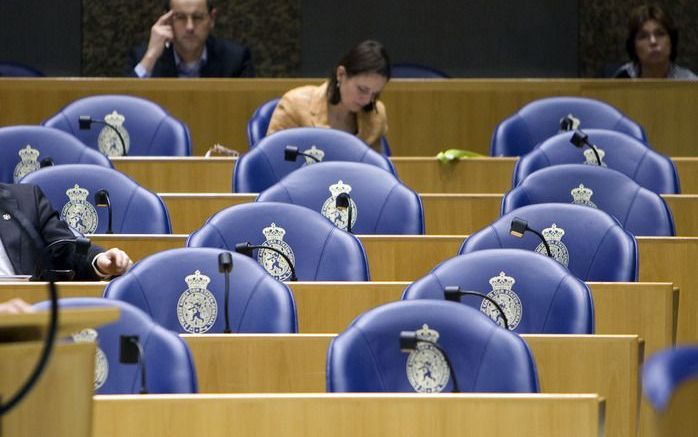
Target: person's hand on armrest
{"type": "Point", "coordinates": [113, 262]}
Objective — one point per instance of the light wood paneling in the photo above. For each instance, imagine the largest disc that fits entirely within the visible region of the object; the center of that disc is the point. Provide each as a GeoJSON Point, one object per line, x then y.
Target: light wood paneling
{"type": "Point", "coordinates": [349, 415]}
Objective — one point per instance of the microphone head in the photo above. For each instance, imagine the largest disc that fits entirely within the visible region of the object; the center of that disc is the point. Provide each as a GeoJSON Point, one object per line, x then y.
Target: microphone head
{"type": "Point", "coordinates": [342, 201]}
{"type": "Point", "coordinates": [579, 138]}
{"type": "Point", "coordinates": [408, 341]}
{"type": "Point", "coordinates": [46, 162]}
{"type": "Point", "coordinates": [102, 198]}
{"type": "Point", "coordinates": [225, 262]}
{"type": "Point", "coordinates": [452, 293]}
{"type": "Point", "coordinates": [128, 349]}
{"type": "Point", "coordinates": [244, 248]}
{"type": "Point", "coordinates": [518, 227]}
{"type": "Point", "coordinates": [85, 121]}
{"type": "Point", "coordinates": [569, 122]}
{"type": "Point", "coordinates": [290, 153]}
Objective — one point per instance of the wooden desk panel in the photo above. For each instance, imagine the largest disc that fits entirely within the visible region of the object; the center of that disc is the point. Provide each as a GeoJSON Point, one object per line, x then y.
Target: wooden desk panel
{"type": "Point", "coordinates": [425, 116]}
{"type": "Point", "coordinates": [444, 214]}
{"type": "Point", "coordinates": [607, 365]}
{"type": "Point", "coordinates": [349, 415]}
{"type": "Point", "coordinates": [406, 258]}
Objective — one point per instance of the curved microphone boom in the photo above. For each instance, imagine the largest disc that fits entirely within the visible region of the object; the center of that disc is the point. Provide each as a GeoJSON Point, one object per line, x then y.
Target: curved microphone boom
{"type": "Point", "coordinates": [130, 352]}
{"type": "Point", "coordinates": [102, 199]}
{"type": "Point", "coordinates": [342, 202]}
{"type": "Point", "coordinates": [246, 248]}
{"type": "Point", "coordinates": [580, 139]}
{"type": "Point", "coordinates": [519, 227]}
{"type": "Point", "coordinates": [225, 266]}
{"type": "Point", "coordinates": [291, 154]}
{"type": "Point", "coordinates": [453, 293]}
{"type": "Point", "coordinates": [408, 343]}
{"type": "Point", "coordinates": [85, 122]}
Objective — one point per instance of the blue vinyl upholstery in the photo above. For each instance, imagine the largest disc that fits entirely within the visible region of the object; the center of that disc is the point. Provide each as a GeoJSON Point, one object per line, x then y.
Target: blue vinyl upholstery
{"type": "Point", "coordinates": [259, 122]}
{"type": "Point", "coordinates": [151, 131]}
{"type": "Point", "coordinates": [540, 119]}
{"type": "Point", "coordinates": [265, 165]}
{"type": "Point", "coordinates": [319, 250]}
{"type": "Point", "coordinates": [537, 294]}
{"type": "Point", "coordinates": [135, 209]}
{"type": "Point", "coordinates": [618, 151]}
{"type": "Point", "coordinates": [167, 287]}
{"type": "Point", "coordinates": [22, 148]}
{"type": "Point", "coordinates": [381, 203]}
{"type": "Point", "coordinates": [168, 362]}
{"type": "Point", "coordinates": [366, 357]}
{"type": "Point", "coordinates": [639, 210]}
{"type": "Point", "coordinates": [666, 371]}
{"type": "Point", "coordinates": [593, 244]}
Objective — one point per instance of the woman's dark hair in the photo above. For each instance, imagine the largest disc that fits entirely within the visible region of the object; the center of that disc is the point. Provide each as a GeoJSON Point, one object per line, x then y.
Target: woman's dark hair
{"type": "Point", "coordinates": [642, 14]}
{"type": "Point", "coordinates": [367, 57]}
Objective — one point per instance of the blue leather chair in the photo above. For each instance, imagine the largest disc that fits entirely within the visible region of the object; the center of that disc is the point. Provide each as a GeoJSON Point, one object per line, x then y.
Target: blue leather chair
{"type": "Point", "coordinates": [263, 166]}
{"type": "Point", "coordinates": [259, 122]}
{"type": "Point", "coordinates": [670, 384]}
{"type": "Point", "coordinates": [135, 209]}
{"type": "Point", "coordinates": [410, 70]}
{"type": "Point", "coordinates": [537, 294]}
{"type": "Point", "coordinates": [639, 210]}
{"type": "Point", "coordinates": [591, 243]}
{"type": "Point", "coordinates": [23, 148]}
{"type": "Point", "coordinates": [147, 128]}
{"type": "Point", "coordinates": [169, 366]}
{"type": "Point", "coordinates": [380, 203]}
{"type": "Point", "coordinates": [15, 69]}
{"type": "Point", "coordinates": [317, 249]}
{"type": "Point", "coordinates": [540, 119]}
{"type": "Point", "coordinates": [184, 291]}
{"type": "Point", "coordinates": [366, 357]}
{"type": "Point", "coordinates": [258, 125]}
{"type": "Point", "coordinates": [618, 151]}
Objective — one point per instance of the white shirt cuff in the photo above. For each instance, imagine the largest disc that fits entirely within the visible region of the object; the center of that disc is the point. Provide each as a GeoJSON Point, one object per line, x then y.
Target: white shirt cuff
{"type": "Point", "coordinates": [141, 71]}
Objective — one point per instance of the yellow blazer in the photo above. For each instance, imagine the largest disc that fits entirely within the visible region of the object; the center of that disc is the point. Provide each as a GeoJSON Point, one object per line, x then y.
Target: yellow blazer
{"type": "Point", "coordinates": [306, 106]}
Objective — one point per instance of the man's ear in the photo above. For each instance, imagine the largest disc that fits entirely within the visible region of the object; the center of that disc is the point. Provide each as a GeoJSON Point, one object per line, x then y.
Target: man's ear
{"type": "Point", "coordinates": [213, 14]}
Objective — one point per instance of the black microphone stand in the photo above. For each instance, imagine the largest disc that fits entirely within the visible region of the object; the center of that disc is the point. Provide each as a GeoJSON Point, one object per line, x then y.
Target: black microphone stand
{"type": "Point", "coordinates": [343, 201]}
{"type": "Point", "coordinates": [102, 200]}
{"type": "Point", "coordinates": [291, 154]}
{"type": "Point", "coordinates": [519, 227]}
{"type": "Point", "coordinates": [131, 351]}
{"type": "Point", "coordinates": [85, 122]}
{"type": "Point", "coordinates": [225, 265]}
{"type": "Point", "coordinates": [409, 341]}
{"type": "Point", "coordinates": [580, 139]}
{"type": "Point", "coordinates": [246, 248]}
{"type": "Point", "coordinates": [453, 293]}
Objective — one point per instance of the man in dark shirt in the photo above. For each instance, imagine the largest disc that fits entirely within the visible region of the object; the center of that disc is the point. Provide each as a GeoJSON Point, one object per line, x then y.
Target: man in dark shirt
{"type": "Point", "coordinates": [181, 45]}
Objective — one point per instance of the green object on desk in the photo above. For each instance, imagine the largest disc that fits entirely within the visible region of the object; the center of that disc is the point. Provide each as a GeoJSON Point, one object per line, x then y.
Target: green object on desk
{"type": "Point", "coordinates": [456, 154]}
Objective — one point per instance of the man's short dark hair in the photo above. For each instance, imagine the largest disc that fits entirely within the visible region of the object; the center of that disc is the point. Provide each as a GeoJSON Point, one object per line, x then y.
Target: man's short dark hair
{"type": "Point", "coordinates": [209, 5]}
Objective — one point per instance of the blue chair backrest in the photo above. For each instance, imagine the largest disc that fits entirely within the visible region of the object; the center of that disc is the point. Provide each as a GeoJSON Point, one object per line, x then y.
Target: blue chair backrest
{"type": "Point", "coordinates": [318, 250]}
{"type": "Point", "coordinates": [183, 290]}
{"type": "Point", "coordinates": [408, 70]}
{"type": "Point", "coordinates": [639, 210]}
{"type": "Point", "coordinates": [538, 295]}
{"type": "Point", "coordinates": [539, 120]}
{"type": "Point", "coordinates": [666, 371]}
{"type": "Point", "coordinates": [366, 357]}
{"type": "Point", "coordinates": [589, 242]}
{"type": "Point", "coordinates": [380, 203]}
{"type": "Point", "coordinates": [617, 150]}
{"type": "Point", "coordinates": [263, 166]}
{"type": "Point", "coordinates": [147, 128]}
{"type": "Point", "coordinates": [135, 209]}
{"type": "Point", "coordinates": [169, 366]}
{"type": "Point", "coordinates": [15, 69]}
{"type": "Point", "coordinates": [259, 122]}
{"type": "Point", "coordinates": [22, 148]}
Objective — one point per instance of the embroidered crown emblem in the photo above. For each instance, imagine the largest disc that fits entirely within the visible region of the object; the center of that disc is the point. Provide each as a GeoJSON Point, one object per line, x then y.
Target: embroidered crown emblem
{"type": "Point", "coordinates": [88, 335]}
{"type": "Point", "coordinates": [274, 232]}
{"type": "Point", "coordinates": [591, 158]}
{"type": "Point", "coordinates": [427, 334]}
{"type": "Point", "coordinates": [502, 282]}
{"type": "Point", "coordinates": [77, 193]}
{"type": "Point", "coordinates": [28, 153]}
{"type": "Point", "coordinates": [553, 233]}
{"type": "Point", "coordinates": [582, 194]}
{"type": "Point", "coordinates": [197, 280]}
{"type": "Point", "coordinates": [339, 188]}
{"type": "Point", "coordinates": [314, 151]}
{"type": "Point", "coordinates": [115, 118]}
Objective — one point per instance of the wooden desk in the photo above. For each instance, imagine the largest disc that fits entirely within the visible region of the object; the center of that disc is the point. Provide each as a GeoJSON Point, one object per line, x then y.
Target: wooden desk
{"type": "Point", "coordinates": [422, 174]}
{"type": "Point", "coordinates": [444, 214]}
{"type": "Point", "coordinates": [425, 116]}
{"type": "Point", "coordinates": [406, 258]}
{"type": "Point", "coordinates": [349, 415]}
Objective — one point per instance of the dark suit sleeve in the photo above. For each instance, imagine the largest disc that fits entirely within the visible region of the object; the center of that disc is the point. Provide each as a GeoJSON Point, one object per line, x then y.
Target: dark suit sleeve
{"type": "Point", "coordinates": [64, 256]}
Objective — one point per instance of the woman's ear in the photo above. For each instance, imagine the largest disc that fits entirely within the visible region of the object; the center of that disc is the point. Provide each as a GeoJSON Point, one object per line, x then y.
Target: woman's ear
{"type": "Point", "coordinates": [341, 73]}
